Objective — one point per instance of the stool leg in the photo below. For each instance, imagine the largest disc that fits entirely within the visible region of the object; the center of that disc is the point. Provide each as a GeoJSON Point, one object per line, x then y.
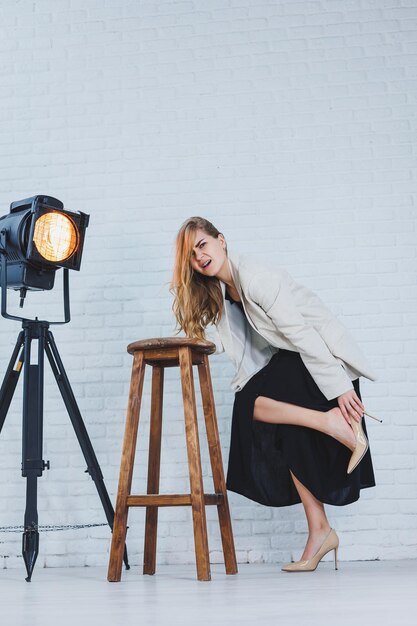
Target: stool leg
{"type": "Point", "coordinates": [194, 464]}
{"type": "Point", "coordinates": [126, 468]}
{"type": "Point", "coordinates": [217, 466]}
{"type": "Point", "coordinates": [154, 463]}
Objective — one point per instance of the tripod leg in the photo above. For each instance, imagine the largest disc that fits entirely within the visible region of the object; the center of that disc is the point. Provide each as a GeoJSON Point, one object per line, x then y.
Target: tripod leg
{"type": "Point", "coordinates": [93, 467]}
{"type": "Point", "coordinates": [30, 540]}
{"type": "Point", "coordinates": [32, 463]}
{"type": "Point", "coordinates": [10, 379]}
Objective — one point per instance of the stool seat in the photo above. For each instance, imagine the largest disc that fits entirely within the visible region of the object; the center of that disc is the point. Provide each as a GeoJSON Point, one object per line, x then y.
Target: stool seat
{"type": "Point", "coordinates": [159, 353]}
{"type": "Point", "coordinates": [164, 350]}
{"type": "Point", "coordinates": [165, 343]}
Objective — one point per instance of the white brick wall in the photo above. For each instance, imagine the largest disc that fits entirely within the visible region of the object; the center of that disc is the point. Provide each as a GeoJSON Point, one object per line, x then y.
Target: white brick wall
{"type": "Point", "coordinates": [291, 125]}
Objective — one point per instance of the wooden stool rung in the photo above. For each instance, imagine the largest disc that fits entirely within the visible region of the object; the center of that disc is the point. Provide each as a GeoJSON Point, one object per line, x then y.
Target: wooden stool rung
{"type": "Point", "coordinates": [153, 499]}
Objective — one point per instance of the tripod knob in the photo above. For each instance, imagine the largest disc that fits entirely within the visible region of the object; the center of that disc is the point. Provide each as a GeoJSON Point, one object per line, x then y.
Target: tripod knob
{"type": "Point", "coordinates": [46, 465]}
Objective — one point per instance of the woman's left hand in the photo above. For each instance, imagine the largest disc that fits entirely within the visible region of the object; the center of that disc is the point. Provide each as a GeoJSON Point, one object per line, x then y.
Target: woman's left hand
{"type": "Point", "coordinates": [351, 406]}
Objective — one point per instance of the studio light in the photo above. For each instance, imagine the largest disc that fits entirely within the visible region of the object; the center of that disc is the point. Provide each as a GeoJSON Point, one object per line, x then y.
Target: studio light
{"type": "Point", "coordinates": [38, 237]}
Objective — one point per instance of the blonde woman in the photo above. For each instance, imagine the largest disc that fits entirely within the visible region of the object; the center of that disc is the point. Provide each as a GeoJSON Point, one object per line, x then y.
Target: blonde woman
{"type": "Point", "coordinates": [298, 432]}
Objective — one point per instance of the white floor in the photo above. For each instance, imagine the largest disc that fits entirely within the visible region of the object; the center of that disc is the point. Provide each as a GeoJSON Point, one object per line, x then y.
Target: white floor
{"type": "Point", "coordinates": [358, 594]}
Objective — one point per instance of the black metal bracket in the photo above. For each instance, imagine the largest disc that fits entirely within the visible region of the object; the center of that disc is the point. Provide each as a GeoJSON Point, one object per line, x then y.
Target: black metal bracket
{"type": "Point", "coordinates": [3, 258]}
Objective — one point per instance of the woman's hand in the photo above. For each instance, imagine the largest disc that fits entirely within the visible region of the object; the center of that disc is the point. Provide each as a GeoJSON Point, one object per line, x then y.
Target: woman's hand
{"type": "Point", "coordinates": [351, 406]}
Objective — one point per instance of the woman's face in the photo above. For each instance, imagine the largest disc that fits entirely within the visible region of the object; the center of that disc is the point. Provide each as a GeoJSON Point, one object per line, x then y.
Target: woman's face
{"type": "Point", "coordinates": [209, 253]}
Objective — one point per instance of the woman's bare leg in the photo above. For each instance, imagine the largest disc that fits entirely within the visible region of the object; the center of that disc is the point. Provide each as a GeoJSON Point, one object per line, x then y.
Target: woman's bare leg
{"type": "Point", "coordinates": [318, 524]}
{"type": "Point", "coordinates": [329, 422]}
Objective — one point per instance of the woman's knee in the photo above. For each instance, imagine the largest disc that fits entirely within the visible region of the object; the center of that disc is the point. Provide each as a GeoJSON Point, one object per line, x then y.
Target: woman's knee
{"type": "Point", "coordinates": [259, 408]}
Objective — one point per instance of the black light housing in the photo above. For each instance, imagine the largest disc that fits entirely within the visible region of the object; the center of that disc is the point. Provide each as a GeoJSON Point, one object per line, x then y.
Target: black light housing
{"type": "Point", "coordinates": [38, 237]}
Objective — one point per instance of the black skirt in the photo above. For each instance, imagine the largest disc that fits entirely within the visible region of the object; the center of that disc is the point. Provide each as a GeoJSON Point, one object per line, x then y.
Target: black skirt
{"type": "Point", "coordinates": [262, 454]}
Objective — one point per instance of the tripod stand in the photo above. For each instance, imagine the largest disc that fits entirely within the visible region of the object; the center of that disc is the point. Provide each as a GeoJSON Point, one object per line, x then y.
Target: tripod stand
{"type": "Point", "coordinates": [32, 463]}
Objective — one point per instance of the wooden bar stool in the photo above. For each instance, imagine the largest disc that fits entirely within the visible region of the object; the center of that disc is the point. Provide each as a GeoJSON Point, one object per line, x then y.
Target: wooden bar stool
{"type": "Point", "coordinates": [161, 353]}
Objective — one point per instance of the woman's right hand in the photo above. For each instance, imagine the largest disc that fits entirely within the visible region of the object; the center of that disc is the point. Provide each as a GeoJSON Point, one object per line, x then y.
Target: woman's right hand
{"type": "Point", "coordinates": [351, 406]}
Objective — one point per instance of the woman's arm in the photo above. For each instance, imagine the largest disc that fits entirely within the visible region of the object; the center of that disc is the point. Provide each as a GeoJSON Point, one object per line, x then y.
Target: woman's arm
{"type": "Point", "coordinates": [271, 290]}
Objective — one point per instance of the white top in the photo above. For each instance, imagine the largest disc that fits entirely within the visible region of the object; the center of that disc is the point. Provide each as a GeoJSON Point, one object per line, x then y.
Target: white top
{"type": "Point", "coordinates": [253, 352]}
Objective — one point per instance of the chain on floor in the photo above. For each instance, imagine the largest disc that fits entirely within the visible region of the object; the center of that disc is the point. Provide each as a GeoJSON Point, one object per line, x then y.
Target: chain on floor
{"type": "Point", "coordinates": [19, 529]}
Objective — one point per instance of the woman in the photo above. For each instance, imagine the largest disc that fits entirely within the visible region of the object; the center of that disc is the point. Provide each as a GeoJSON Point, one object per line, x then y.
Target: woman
{"type": "Point", "coordinates": [297, 429]}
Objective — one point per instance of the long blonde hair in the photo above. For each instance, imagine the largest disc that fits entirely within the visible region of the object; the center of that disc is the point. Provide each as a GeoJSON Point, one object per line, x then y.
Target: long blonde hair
{"type": "Point", "coordinates": [198, 299]}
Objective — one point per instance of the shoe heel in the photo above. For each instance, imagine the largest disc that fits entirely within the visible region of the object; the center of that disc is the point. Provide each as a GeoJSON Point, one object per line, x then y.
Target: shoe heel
{"type": "Point", "coordinates": [373, 417]}
{"type": "Point", "coordinates": [335, 557]}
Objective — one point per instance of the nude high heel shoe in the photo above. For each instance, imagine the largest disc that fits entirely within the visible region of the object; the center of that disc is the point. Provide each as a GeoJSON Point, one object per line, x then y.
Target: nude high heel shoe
{"type": "Point", "coordinates": [330, 543]}
{"type": "Point", "coordinates": [361, 443]}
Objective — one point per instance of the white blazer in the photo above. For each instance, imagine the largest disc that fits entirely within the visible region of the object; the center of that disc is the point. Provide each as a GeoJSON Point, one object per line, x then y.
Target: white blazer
{"type": "Point", "coordinates": [282, 313]}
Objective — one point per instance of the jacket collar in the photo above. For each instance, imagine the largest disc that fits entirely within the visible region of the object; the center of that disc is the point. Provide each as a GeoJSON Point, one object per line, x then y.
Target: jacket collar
{"type": "Point", "coordinates": [233, 260]}
{"type": "Point", "coordinates": [224, 323]}
{"type": "Point", "coordinates": [235, 264]}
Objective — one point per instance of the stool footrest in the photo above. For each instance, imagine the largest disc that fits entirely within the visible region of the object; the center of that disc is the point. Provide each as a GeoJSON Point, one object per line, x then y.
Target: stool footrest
{"type": "Point", "coordinates": [156, 499]}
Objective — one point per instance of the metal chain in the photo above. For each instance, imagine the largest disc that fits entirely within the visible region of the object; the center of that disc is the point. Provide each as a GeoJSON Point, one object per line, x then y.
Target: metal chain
{"type": "Point", "coordinates": [18, 529]}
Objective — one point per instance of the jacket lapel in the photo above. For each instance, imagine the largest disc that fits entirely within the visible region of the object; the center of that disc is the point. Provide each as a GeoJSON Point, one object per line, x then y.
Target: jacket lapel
{"type": "Point", "coordinates": [223, 326]}
{"type": "Point", "coordinates": [234, 270]}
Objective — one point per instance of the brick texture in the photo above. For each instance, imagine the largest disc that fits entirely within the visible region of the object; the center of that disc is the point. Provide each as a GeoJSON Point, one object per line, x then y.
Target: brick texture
{"type": "Point", "coordinates": [289, 124]}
